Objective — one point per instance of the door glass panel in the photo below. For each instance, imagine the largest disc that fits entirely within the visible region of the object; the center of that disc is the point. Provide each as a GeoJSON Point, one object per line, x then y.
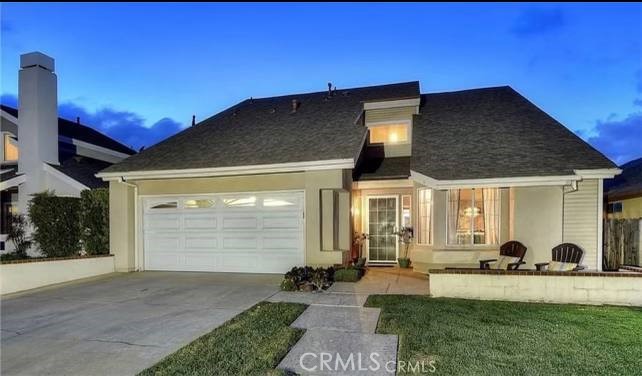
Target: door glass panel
{"type": "Point", "coordinates": [165, 205]}
{"type": "Point", "coordinates": [198, 204]}
{"type": "Point", "coordinates": [240, 202]}
{"type": "Point", "coordinates": [382, 218]}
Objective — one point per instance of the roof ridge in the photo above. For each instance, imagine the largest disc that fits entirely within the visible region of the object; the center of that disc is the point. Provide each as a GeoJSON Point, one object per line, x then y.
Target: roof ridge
{"type": "Point", "coordinates": [484, 88]}
{"type": "Point", "coordinates": [339, 89]}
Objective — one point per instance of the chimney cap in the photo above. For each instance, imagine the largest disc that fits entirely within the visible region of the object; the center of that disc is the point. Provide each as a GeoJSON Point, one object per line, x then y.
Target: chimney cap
{"type": "Point", "coordinates": [32, 59]}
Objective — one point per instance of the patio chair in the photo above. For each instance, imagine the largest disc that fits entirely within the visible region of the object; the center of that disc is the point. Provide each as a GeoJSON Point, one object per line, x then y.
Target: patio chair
{"type": "Point", "coordinates": [511, 256]}
{"type": "Point", "coordinates": [566, 257]}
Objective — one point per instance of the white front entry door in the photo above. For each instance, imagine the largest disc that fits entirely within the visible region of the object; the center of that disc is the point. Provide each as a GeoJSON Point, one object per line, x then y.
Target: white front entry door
{"type": "Point", "coordinates": [381, 220]}
{"type": "Point", "coordinates": [241, 232]}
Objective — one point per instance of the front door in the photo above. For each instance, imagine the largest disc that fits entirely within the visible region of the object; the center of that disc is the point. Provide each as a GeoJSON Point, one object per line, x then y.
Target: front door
{"type": "Point", "coordinates": [381, 221]}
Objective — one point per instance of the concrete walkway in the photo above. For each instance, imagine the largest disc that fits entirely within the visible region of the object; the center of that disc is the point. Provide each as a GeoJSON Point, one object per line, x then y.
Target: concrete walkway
{"type": "Point", "coordinates": [121, 324]}
{"type": "Point", "coordinates": [340, 334]}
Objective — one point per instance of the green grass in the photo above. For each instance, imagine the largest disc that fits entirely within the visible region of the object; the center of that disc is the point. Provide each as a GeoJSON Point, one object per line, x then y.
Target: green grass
{"type": "Point", "coordinates": [466, 337]}
{"type": "Point", "coordinates": [253, 343]}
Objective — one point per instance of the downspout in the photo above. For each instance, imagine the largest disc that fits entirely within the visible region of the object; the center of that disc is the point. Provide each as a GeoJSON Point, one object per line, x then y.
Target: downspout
{"type": "Point", "coordinates": [136, 256]}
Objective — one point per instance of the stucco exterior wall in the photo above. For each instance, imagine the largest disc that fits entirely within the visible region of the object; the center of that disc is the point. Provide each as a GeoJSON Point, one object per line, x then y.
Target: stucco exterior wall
{"type": "Point", "coordinates": [537, 221]}
{"type": "Point", "coordinates": [122, 235]}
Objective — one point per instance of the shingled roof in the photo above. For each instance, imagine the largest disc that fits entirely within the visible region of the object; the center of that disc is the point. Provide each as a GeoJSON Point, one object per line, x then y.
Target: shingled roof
{"type": "Point", "coordinates": [493, 133]}
{"type": "Point", "coordinates": [627, 184]}
{"type": "Point", "coordinates": [267, 131]}
{"type": "Point", "coordinates": [81, 132]}
{"type": "Point", "coordinates": [471, 134]}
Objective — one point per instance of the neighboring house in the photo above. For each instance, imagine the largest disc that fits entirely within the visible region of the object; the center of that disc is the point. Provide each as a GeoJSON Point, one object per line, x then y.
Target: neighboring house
{"type": "Point", "coordinates": [623, 194]}
{"type": "Point", "coordinates": [276, 182]}
{"type": "Point", "coordinates": [41, 151]}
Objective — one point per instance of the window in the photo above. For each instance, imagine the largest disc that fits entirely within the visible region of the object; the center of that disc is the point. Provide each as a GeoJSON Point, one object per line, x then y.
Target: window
{"type": "Point", "coordinates": [473, 216]}
{"type": "Point", "coordinates": [165, 205]}
{"type": "Point", "coordinates": [240, 202]}
{"type": "Point", "coordinates": [198, 204]}
{"type": "Point", "coordinates": [614, 207]}
{"type": "Point", "coordinates": [389, 134]}
{"type": "Point", "coordinates": [10, 148]}
{"type": "Point", "coordinates": [275, 202]}
{"type": "Point", "coordinates": [424, 217]}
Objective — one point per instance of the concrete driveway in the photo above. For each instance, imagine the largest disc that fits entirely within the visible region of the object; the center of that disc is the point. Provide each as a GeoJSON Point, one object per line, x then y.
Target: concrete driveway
{"type": "Point", "coordinates": [120, 324]}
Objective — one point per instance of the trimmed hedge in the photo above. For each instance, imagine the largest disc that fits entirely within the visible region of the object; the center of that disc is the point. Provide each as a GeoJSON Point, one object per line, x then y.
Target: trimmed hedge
{"type": "Point", "coordinates": [56, 223]}
{"type": "Point", "coordinates": [347, 275]}
{"type": "Point", "coordinates": [94, 221]}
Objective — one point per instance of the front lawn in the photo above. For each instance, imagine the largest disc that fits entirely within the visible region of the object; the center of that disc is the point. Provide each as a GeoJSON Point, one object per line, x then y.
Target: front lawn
{"type": "Point", "coordinates": [253, 343]}
{"type": "Point", "coordinates": [487, 337]}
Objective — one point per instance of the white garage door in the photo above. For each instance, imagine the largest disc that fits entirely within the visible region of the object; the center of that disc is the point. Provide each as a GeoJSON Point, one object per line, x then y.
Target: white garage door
{"type": "Point", "coordinates": [245, 232]}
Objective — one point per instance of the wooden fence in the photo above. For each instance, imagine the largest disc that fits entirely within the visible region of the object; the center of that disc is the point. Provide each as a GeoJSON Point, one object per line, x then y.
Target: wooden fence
{"type": "Point", "coordinates": [621, 243]}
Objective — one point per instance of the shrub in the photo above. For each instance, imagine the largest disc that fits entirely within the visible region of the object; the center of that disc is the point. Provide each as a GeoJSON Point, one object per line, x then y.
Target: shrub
{"type": "Point", "coordinates": [288, 285]}
{"type": "Point", "coordinates": [347, 275]}
{"type": "Point", "coordinates": [299, 277]}
{"type": "Point", "coordinates": [18, 235]}
{"type": "Point", "coordinates": [94, 221]}
{"type": "Point", "coordinates": [56, 223]}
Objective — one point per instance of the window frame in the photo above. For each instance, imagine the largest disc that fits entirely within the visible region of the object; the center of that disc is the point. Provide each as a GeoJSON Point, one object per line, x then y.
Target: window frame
{"type": "Point", "coordinates": [405, 122]}
{"type": "Point", "coordinates": [14, 142]}
{"type": "Point", "coordinates": [431, 233]}
{"type": "Point", "coordinates": [472, 230]}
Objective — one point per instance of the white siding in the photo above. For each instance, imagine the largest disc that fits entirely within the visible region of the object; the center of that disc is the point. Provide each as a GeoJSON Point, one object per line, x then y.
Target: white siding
{"type": "Point", "coordinates": [581, 220]}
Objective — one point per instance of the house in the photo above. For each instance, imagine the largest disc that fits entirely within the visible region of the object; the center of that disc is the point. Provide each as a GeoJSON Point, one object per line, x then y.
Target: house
{"type": "Point", "coordinates": [623, 195]}
{"type": "Point", "coordinates": [41, 151]}
{"type": "Point", "coordinates": [275, 182]}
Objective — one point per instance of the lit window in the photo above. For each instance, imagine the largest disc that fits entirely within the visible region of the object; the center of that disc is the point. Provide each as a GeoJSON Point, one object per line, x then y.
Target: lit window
{"type": "Point", "coordinates": [10, 148]}
{"type": "Point", "coordinates": [389, 134]}
{"type": "Point", "coordinates": [165, 205]}
{"type": "Point", "coordinates": [424, 217]}
{"type": "Point", "coordinates": [275, 202]}
{"type": "Point", "coordinates": [473, 216]}
{"type": "Point", "coordinates": [614, 207]}
{"type": "Point", "coordinates": [199, 204]}
{"type": "Point", "coordinates": [240, 202]}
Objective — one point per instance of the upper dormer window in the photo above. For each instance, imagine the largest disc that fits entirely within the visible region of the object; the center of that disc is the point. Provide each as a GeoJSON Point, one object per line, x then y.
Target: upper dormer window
{"type": "Point", "coordinates": [10, 148]}
{"type": "Point", "coordinates": [390, 133]}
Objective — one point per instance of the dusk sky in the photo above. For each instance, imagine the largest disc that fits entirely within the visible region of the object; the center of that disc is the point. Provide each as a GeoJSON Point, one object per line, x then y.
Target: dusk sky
{"type": "Point", "coordinates": [139, 71]}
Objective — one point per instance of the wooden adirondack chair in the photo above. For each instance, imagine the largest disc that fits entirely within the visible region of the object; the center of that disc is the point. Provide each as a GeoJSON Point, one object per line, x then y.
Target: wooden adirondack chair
{"type": "Point", "coordinates": [567, 253]}
{"type": "Point", "coordinates": [511, 249]}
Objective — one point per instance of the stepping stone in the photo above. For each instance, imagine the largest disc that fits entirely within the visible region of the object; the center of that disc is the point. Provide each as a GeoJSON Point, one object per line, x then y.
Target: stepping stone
{"type": "Point", "coordinates": [324, 298]}
{"type": "Point", "coordinates": [344, 354]}
{"type": "Point", "coordinates": [347, 319]}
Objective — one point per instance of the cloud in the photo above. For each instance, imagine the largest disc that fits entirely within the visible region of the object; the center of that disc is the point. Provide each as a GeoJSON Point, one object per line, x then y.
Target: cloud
{"type": "Point", "coordinates": [125, 126]}
{"type": "Point", "coordinates": [620, 140]}
{"type": "Point", "coordinates": [538, 21]}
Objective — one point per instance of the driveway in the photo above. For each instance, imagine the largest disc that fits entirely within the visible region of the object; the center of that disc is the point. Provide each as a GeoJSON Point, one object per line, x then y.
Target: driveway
{"type": "Point", "coordinates": [120, 324]}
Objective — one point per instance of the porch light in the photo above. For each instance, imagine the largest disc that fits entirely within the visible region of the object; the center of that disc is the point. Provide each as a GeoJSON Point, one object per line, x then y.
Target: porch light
{"type": "Point", "coordinates": [472, 211]}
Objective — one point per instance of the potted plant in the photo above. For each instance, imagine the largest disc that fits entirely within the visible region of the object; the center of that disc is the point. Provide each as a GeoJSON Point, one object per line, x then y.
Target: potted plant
{"type": "Point", "coordinates": [405, 235]}
{"type": "Point", "coordinates": [358, 239]}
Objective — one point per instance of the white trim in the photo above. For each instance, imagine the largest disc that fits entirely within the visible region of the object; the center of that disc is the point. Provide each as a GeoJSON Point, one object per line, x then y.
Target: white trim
{"type": "Point", "coordinates": [230, 171]}
{"type": "Point", "coordinates": [600, 223]}
{"type": "Point", "coordinates": [9, 117]}
{"type": "Point", "coordinates": [13, 182]}
{"type": "Point", "coordinates": [432, 218]}
{"type": "Point", "coordinates": [380, 184]}
{"type": "Point", "coordinates": [526, 181]}
{"type": "Point", "coordinates": [65, 178]}
{"type": "Point", "coordinates": [413, 102]}
{"type": "Point", "coordinates": [367, 226]}
{"type": "Point", "coordinates": [96, 148]}
{"type": "Point", "coordinates": [602, 173]}
{"type": "Point", "coordinates": [472, 245]}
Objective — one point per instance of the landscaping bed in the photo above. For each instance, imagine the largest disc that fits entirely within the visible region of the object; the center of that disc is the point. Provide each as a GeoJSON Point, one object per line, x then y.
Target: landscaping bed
{"type": "Point", "coordinates": [252, 343]}
{"type": "Point", "coordinates": [492, 337]}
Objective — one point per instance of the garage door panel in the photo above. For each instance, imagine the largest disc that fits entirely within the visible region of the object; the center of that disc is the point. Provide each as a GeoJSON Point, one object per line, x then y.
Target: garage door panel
{"type": "Point", "coordinates": [258, 233]}
{"type": "Point", "coordinates": [243, 223]}
{"type": "Point", "coordinates": [200, 222]}
{"type": "Point", "coordinates": [281, 222]}
{"type": "Point", "coordinates": [200, 242]}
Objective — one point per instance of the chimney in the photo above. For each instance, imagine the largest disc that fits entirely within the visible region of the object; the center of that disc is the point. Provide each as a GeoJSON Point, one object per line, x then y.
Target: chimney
{"type": "Point", "coordinates": [37, 121]}
{"type": "Point", "coordinates": [78, 120]}
{"type": "Point", "coordinates": [295, 105]}
{"type": "Point", "coordinates": [329, 89]}
{"type": "Point", "coordinates": [193, 120]}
